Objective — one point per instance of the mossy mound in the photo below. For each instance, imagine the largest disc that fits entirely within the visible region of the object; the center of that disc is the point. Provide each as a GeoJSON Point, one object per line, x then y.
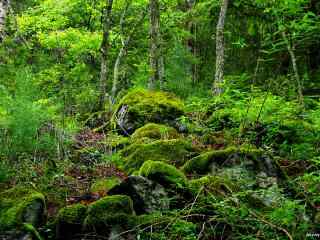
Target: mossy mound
{"type": "Point", "coordinates": [175, 151]}
{"type": "Point", "coordinates": [70, 220]}
{"type": "Point", "coordinates": [104, 185]}
{"type": "Point", "coordinates": [219, 186]}
{"type": "Point", "coordinates": [107, 212]}
{"type": "Point", "coordinates": [140, 106]}
{"type": "Point", "coordinates": [226, 157]}
{"type": "Point", "coordinates": [19, 206]}
{"type": "Point", "coordinates": [165, 174]}
{"type": "Point", "coordinates": [155, 131]}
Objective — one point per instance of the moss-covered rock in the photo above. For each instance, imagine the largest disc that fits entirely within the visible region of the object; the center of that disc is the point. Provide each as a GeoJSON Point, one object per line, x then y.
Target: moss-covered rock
{"type": "Point", "coordinates": [147, 196]}
{"type": "Point", "coordinates": [140, 106]}
{"type": "Point", "coordinates": [155, 131]}
{"type": "Point", "coordinates": [175, 151]}
{"type": "Point", "coordinates": [107, 212]}
{"type": "Point", "coordinates": [163, 173]}
{"type": "Point", "coordinates": [70, 220]}
{"type": "Point", "coordinates": [226, 157]}
{"type": "Point", "coordinates": [104, 185]}
{"type": "Point", "coordinates": [19, 206]}
{"type": "Point", "coordinates": [216, 185]}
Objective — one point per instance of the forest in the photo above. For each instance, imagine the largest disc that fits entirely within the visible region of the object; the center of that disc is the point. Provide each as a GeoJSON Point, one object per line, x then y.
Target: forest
{"type": "Point", "coordinates": [159, 119]}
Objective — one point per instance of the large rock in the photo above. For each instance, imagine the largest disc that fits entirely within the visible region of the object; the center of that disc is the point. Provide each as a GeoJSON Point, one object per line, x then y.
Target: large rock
{"type": "Point", "coordinates": [247, 156]}
{"type": "Point", "coordinates": [109, 214]}
{"type": "Point", "coordinates": [69, 221]}
{"type": "Point", "coordinates": [139, 107]}
{"type": "Point", "coordinates": [147, 196]}
{"type": "Point", "coordinates": [19, 206]}
{"type": "Point", "coordinates": [22, 210]}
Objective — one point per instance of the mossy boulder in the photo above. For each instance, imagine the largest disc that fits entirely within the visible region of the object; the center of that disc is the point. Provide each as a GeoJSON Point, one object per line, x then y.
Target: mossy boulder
{"type": "Point", "coordinates": [104, 185]}
{"type": "Point", "coordinates": [163, 173]}
{"type": "Point", "coordinates": [155, 131]}
{"type": "Point", "coordinates": [140, 106]}
{"type": "Point", "coordinates": [70, 220]}
{"type": "Point", "coordinates": [147, 196]}
{"type": "Point", "coordinates": [109, 212]}
{"type": "Point", "coordinates": [216, 185]}
{"type": "Point", "coordinates": [19, 206]}
{"type": "Point", "coordinates": [226, 157]}
{"type": "Point", "coordinates": [175, 151]}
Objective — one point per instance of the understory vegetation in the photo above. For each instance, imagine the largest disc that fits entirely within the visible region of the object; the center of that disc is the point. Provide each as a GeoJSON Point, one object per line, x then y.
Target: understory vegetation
{"type": "Point", "coordinates": [122, 120]}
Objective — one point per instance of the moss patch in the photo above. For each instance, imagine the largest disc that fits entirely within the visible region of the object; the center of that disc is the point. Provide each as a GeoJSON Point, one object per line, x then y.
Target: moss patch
{"type": "Point", "coordinates": [20, 205]}
{"type": "Point", "coordinates": [140, 106]}
{"type": "Point", "coordinates": [214, 184]}
{"type": "Point", "coordinates": [155, 131]}
{"type": "Point", "coordinates": [175, 152]}
{"type": "Point", "coordinates": [104, 185]}
{"type": "Point", "coordinates": [163, 173]}
{"type": "Point", "coordinates": [109, 211]}
{"type": "Point", "coordinates": [70, 220]}
{"type": "Point", "coordinates": [201, 164]}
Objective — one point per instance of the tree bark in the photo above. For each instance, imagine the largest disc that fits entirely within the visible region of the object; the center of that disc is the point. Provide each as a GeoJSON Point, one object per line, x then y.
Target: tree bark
{"type": "Point", "coordinates": [219, 75]}
{"type": "Point", "coordinates": [123, 51]}
{"type": "Point", "coordinates": [291, 49]}
{"type": "Point", "coordinates": [104, 53]}
{"type": "Point", "coordinates": [4, 7]}
{"type": "Point", "coordinates": [156, 58]}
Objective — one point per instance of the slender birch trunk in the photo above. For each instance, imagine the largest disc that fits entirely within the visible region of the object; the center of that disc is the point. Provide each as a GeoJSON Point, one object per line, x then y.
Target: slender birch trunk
{"type": "Point", "coordinates": [4, 8]}
{"type": "Point", "coordinates": [123, 51]}
{"type": "Point", "coordinates": [219, 75]}
{"type": "Point", "coordinates": [291, 50]}
{"type": "Point", "coordinates": [105, 52]}
{"type": "Point", "coordinates": [155, 52]}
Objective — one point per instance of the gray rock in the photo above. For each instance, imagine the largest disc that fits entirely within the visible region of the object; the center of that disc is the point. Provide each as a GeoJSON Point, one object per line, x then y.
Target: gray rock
{"type": "Point", "coordinates": [147, 196]}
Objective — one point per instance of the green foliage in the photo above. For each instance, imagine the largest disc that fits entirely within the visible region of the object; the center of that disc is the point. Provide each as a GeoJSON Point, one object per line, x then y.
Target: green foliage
{"type": "Point", "coordinates": [22, 117]}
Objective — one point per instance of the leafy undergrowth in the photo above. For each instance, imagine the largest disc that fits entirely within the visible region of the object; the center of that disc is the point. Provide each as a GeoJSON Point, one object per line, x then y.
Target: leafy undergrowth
{"type": "Point", "coordinates": [240, 167]}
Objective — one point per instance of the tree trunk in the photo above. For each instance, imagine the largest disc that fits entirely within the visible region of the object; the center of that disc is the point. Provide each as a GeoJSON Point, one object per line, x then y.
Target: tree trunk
{"type": "Point", "coordinates": [123, 51]}
{"type": "Point", "coordinates": [156, 58]}
{"type": "Point", "coordinates": [291, 49]}
{"type": "Point", "coordinates": [4, 7]}
{"type": "Point", "coordinates": [219, 75]}
{"type": "Point", "coordinates": [104, 53]}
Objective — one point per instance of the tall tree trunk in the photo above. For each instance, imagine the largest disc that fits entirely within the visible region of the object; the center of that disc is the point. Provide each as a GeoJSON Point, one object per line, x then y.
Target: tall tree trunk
{"type": "Point", "coordinates": [105, 52]}
{"type": "Point", "coordinates": [123, 50]}
{"type": "Point", "coordinates": [219, 75]}
{"type": "Point", "coordinates": [4, 7]}
{"type": "Point", "coordinates": [291, 50]}
{"type": "Point", "coordinates": [156, 58]}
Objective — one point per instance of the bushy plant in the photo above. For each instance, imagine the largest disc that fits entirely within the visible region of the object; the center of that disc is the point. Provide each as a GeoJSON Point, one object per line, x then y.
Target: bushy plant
{"type": "Point", "coordinates": [23, 120]}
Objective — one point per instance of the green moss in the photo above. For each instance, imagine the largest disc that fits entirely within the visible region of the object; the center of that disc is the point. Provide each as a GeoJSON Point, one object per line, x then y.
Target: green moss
{"type": "Point", "coordinates": [175, 152]}
{"type": "Point", "coordinates": [73, 214]}
{"type": "Point", "coordinates": [155, 131]}
{"type": "Point", "coordinates": [104, 185]}
{"type": "Point", "coordinates": [17, 205]}
{"type": "Point", "coordinates": [70, 220]}
{"type": "Point", "coordinates": [110, 210]}
{"type": "Point", "coordinates": [149, 106]}
{"type": "Point", "coordinates": [163, 173]}
{"type": "Point", "coordinates": [214, 184]}
{"type": "Point", "coordinates": [201, 164]}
